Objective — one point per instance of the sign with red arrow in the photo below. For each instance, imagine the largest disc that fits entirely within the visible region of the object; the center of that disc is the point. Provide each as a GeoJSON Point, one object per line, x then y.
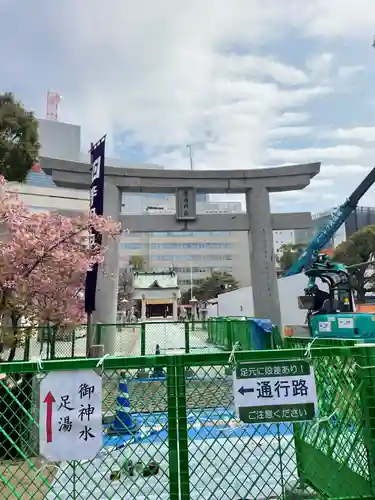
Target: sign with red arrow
{"type": "Point", "coordinates": [70, 415]}
{"type": "Point", "coordinates": [49, 400]}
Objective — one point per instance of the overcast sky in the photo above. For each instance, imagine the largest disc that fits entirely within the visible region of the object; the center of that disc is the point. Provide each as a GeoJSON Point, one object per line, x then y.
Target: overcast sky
{"type": "Point", "coordinates": [249, 83]}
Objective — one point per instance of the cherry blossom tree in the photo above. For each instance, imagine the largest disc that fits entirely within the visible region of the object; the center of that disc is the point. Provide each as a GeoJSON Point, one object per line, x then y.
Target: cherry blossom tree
{"type": "Point", "coordinates": [44, 258]}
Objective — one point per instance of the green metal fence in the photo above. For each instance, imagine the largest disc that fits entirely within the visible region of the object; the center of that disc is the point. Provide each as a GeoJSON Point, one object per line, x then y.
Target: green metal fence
{"type": "Point", "coordinates": [303, 342]}
{"type": "Point", "coordinates": [133, 339]}
{"type": "Point", "coordinates": [136, 339]}
{"type": "Point", "coordinates": [190, 444]}
{"type": "Point", "coordinates": [224, 333]}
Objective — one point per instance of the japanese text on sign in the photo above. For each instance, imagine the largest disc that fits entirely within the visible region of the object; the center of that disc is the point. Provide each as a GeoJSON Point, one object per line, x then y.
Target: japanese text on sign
{"type": "Point", "coordinates": [96, 208]}
{"type": "Point", "coordinates": [185, 204]}
{"type": "Point", "coordinates": [285, 389]}
{"type": "Point", "coordinates": [257, 370]}
{"type": "Point", "coordinates": [269, 414]}
{"type": "Point", "coordinates": [71, 415]}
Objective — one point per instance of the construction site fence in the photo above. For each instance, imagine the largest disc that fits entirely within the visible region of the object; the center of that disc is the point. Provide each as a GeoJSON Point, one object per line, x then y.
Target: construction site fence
{"type": "Point", "coordinates": [136, 339]}
{"type": "Point", "coordinates": [187, 440]}
{"type": "Point", "coordinates": [225, 332]}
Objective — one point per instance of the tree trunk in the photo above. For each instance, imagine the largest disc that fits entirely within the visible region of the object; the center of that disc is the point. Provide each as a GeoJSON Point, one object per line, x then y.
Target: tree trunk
{"type": "Point", "coordinates": [12, 352]}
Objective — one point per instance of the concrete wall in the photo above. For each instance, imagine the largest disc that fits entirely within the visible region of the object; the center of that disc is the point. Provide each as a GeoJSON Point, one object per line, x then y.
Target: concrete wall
{"type": "Point", "coordinates": [240, 302]}
{"type": "Point", "coordinates": [59, 140]}
{"type": "Point", "coordinates": [51, 198]}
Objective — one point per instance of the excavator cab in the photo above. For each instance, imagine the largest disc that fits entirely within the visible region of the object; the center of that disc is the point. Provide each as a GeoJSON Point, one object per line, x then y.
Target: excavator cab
{"type": "Point", "coordinates": [339, 295]}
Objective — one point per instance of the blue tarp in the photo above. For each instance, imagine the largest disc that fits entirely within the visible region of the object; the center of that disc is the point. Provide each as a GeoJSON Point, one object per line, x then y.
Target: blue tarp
{"type": "Point", "coordinates": [260, 330]}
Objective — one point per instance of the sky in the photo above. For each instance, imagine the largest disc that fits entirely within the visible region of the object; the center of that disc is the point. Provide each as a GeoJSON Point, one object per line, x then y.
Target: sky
{"type": "Point", "coordinates": [248, 83]}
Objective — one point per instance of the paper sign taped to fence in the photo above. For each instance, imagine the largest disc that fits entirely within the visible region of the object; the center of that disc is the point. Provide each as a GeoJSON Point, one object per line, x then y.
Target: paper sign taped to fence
{"type": "Point", "coordinates": [345, 323]}
{"type": "Point", "coordinates": [70, 418]}
{"type": "Point", "coordinates": [275, 391]}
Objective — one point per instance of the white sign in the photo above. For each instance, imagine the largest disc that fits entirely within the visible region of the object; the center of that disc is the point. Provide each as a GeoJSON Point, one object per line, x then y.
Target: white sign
{"type": "Point", "coordinates": [281, 391]}
{"type": "Point", "coordinates": [325, 326]}
{"type": "Point", "coordinates": [345, 323]}
{"type": "Point", "coordinates": [70, 418]}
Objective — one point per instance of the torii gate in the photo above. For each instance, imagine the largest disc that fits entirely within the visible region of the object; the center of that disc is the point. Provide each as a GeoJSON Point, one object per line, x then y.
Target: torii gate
{"type": "Point", "coordinates": [257, 221]}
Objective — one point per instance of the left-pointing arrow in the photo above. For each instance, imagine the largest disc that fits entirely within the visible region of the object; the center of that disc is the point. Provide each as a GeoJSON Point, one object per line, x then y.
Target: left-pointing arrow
{"type": "Point", "coordinates": [49, 400]}
{"type": "Point", "coordinates": [243, 391]}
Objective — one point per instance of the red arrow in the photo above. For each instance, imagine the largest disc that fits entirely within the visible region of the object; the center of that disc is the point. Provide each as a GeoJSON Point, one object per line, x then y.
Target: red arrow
{"type": "Point", "coordinates": [49, 400]}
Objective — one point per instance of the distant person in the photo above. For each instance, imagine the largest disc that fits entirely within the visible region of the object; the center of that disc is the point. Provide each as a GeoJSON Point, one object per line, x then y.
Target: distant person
{"type": "Point", "coordinates": [182, 313]}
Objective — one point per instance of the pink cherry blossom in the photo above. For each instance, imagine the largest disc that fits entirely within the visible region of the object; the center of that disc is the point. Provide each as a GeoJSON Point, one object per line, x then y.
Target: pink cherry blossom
{"type": "Point", "coordinates": [43, 261]}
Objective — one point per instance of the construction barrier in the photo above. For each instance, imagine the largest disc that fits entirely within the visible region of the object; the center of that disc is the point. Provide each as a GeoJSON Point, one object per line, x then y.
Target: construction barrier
{"type": "Point", "coordinates": [249, 333]}
{"type": "Point", "coordinates": [304, 342]}
{"type": "Point", "coordinates": [177, 436]}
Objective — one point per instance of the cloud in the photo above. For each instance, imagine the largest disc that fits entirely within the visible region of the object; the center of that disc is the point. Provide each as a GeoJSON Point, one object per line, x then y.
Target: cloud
{"type": "Point", "coordinates": [315, 154]}
{"type": "Point", "coordinates": [246, 65]}
{"type": "Point", "coordinates": [289, 132]}
{"type": "Point", "coordinates": [226, 77]}
{"type": "Point", "coordinates": [339, 18]}
{"type": "Point", "coordinates": [347, 72]}
{"type": "Point", "coordinates": [343, 171]}
{"type": "Point", "coordinates": [320, 66]}
{"type": "Point", "coordinates": [365, 134]}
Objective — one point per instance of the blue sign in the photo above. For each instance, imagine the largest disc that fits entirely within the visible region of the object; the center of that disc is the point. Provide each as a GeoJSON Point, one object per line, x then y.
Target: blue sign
{"type": "Point", "coordinates": [96, 208]}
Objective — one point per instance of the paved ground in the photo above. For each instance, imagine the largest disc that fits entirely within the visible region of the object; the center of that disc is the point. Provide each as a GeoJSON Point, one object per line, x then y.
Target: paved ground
{"type": "Point", "coordinates": [226, 468]}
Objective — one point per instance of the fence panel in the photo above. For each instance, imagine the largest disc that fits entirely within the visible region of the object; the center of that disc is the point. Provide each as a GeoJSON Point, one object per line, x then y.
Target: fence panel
{"type": "Point", "coordinates": [187, 442]}
{"type": "Point", "coordinates": [330, 457]}
{"type": "Point", "coordinates": [142, 464]}
{"type": "Point", "coordinates": [336, 455]}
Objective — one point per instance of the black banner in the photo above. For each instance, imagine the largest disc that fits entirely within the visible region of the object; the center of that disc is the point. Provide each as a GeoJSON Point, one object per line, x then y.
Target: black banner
{"type": "Point", "coordinates": [96, 208]}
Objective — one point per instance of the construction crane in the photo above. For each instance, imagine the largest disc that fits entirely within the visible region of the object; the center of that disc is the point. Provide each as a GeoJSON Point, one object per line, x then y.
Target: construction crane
{"type": "Point", "coordinates": [337, 219]}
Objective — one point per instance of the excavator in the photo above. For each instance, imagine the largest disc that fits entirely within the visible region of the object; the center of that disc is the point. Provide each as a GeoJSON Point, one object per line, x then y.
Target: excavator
{"type": "Point", "coordinates": [332, 313]}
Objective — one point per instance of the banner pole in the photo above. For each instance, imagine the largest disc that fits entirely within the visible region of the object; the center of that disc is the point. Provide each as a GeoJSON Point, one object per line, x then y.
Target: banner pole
{"type": "Point", "coordinates": [97, 160]}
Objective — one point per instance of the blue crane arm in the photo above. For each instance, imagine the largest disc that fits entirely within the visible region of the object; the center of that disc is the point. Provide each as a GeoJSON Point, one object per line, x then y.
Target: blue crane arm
{"type": "Point", "coordinates": [338, 217]}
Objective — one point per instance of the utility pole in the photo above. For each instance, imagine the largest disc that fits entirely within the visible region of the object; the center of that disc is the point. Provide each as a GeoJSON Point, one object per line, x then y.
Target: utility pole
{"type": "Point", "coordinates": [189, 146]}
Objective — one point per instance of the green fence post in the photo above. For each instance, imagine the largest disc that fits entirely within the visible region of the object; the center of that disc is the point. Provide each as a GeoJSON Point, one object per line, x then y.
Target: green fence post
{"type": "Point", "coordinates": [141, 373]}
{"type": "Point", "coordinates": [189, 372]}
{"type": "Point", "coordinates": [182, 429]}
{"type": "Point", "coordinates": [143, 339]}
{"type": "Point", "coordinates": [98, 334]}
{"type": "Point", "coordinates": [48, 329]}
{"type": "Point", "coordinates": [173, 438]}
{"type": "Point", "coordinates": [53, 341]}
{"type": "Point", "coordinates": [73, 343]}
{"type": "Point", "coordinates": [276, 339]}
{"type": "Point", "coordinates": [26, 353]}
{"type": "Point", "coordinates": [187, 338]}
{"type": "Point", "coordinates": [229, 341]}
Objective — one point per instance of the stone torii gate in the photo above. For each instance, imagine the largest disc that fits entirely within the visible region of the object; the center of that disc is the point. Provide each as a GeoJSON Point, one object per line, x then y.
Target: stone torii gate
{"type": "Point", "coordinates": [257, 221]}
